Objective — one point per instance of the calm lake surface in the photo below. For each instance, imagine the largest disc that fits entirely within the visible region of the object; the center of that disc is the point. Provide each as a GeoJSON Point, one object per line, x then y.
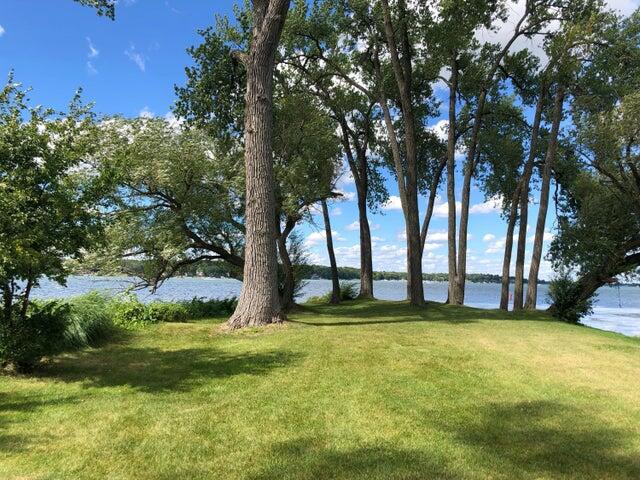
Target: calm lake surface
{"type": "Point", "coordinates": [617, 308]}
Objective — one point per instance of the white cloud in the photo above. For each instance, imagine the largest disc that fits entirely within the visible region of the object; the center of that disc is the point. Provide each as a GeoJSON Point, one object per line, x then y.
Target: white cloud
{"type": "Point", "coordinates": [336, 211]}
{"type": "Point", "coordinates": [346, 179]}
{"type": "Point", "coordinates": [93, 51]}
{"type": "Point", "coordinates": [438, 236]}
{"type": "Point", "coordinates": [146, 113]}
{"type": "Point", "coordinates": [352, 227]}
{"type": "Point", "coordinates": [492, 205]}
{"type": "Point", "coordinates": [441, 210]}
{"type": "Point", "coordinates": [496, 246]}
{"type": "Point", "coordinates": [346, 196]}
{"type": "Point", "coordinates": [315, 238]}
{"type": "Point", "coordinates": [393, 203]}
{"type": "Point", "coordinates": [136, 57]}
{"type": "Point", "coordinates": [91, 69]}
{"type": "Point", "coordinates": [489, 237]}
{"type": "Point", "coordinates": [2, 31]}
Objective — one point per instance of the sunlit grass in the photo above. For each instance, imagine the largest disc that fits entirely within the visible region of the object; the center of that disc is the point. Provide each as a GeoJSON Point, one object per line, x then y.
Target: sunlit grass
{"type": "Point", "coordinates": [364, 390]}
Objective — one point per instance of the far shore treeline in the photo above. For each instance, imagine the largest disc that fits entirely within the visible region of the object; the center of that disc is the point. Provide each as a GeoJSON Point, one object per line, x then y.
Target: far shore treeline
{"type": "Point", "coordinates": [217, 269]}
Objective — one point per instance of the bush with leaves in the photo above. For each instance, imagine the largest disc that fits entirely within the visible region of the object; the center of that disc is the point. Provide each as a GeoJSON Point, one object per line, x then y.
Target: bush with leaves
{"type": "Point", "coordinates": [565, 297]}
{"type": "Point", "coordinates": [348, 291]}
{"type": "Point", "coordinates": [27, 338]}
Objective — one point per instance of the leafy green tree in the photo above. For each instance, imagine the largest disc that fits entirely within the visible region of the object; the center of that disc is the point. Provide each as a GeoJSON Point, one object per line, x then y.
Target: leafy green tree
{"type": "Point", "coordinates": [48, 195]}
{"type": "Point", "coordinates": [314, 30]}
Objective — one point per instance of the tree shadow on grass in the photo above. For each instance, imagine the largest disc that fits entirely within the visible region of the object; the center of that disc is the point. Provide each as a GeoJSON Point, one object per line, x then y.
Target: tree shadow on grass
{"type": "Point", "coordinates": [13, 406]}
{"type": "Point", "coordinates": [156, 370]}
{"type": "Point", "coordinates": [544, 439]}
{"type": "Point", "coordinates": [384, 312]}
{"type": "Point", "coordinates": [307, 459]}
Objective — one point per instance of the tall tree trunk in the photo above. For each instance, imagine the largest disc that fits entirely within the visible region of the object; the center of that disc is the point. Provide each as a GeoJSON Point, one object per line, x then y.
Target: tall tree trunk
{"type": "Point", "coordinates": [451, 184]}
{"type": "Point", "coordinates": [366, 257]}
{"type": "Point", "coordinates": [518, 291]}
{"type": "Point", "coordinates": [259, 303]}
{"type": "Point", "coordinates": [508, 249]}
{"type": "Point", "coordinates": [469, 171]}
{"type": "Point", "coordinates": [335, 281]}
{"type": "Point", "coordinates": [402, 69]}
{"type": "Point", "coordinates": [470, 164]}
{"type": "Point", "coordinates": [518, 288]}
{"type": "Point", "coordinates": [288, 288]}
{"type": "Point", "coordinates": [431, 203]}
{"type": "Point", "coordinates": [536, 256]}
{"type": "Point", "coordinates": [358, 167]}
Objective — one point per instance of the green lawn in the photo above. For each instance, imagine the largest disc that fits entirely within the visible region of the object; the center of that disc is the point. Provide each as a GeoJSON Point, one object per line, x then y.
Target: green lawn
{"type": "Point", "coordinates": [365, 390]}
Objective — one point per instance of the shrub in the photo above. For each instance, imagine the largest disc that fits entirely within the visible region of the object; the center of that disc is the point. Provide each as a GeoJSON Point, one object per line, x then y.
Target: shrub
{"type": "Point", "coordinates": [201, 308]}
{"type": "Point", "coordinates": [128, 312]}
{"type": "Point", "coordinates": [566, 302]}
{"type": "Point", "coordinates": [39, 333]}
{"type": "Point", "coordinates": [90, 321]}
{"type": "Point", "coordinates": [348, 291]}
{"type": "Point", "coordinates": [167, 312]}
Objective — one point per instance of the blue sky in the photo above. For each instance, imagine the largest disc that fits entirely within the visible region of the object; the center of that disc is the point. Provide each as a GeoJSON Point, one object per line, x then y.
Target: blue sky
{"type": "Point", "coordinates": [130, 66]}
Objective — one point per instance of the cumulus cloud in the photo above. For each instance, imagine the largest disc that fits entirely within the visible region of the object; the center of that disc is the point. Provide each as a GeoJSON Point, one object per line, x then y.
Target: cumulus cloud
{"type": "Point", "coordinates": [352, 227]}
{"type": "Point", "coordinates": [492, 205]}
{"type": "Point", "coordinates": [315, 238]}
{"type": "Point", "coordinates": [489, 237]}
{"type": "Point", "coordinates": [345, 195]}
{"type": "Point", "coordinates": [146, 113]}
{"type": "Point", "coordinates": [441, 208]}
{"type": "Point", "coordinates": [393, 203]}
{"type": "Point", "coordinates": [437, 236]}
{"type": "Point", "coordinates": [2, 31]}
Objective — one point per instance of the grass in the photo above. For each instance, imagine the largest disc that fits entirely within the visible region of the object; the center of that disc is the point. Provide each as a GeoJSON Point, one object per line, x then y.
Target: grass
{"type": "Point", "coordinates": [366, 390]}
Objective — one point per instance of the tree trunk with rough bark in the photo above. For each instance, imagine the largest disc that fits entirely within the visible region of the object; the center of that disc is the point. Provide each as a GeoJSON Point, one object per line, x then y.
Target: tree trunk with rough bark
{"type": "Point", "coordinates": [402, 69]}
{"type": "Point", "coordinates": [518, 288]}
{"type": "Point", "coordinates": [431, 203]}
{"type": "Point", "coordinates": [358, 167]}
{"type": "Point", "coordinates": [532, 288]}
{"type": "Point", "coordinates": [518, 292]}
{"type": "Point", "coordinates": [335, 281]}
{"type": "Point", "coordinates": [469, 171]}
{"type": "Point", "coordinates": [451, 186]}
{"type": "Point", "coordinates": [259, 303]}
{"type": "Point", "coordinates": [288, 285]}
{"type": "Point", "coordinates": [366, 256]}
{"type": "Point", "coordinates": [508, 249]}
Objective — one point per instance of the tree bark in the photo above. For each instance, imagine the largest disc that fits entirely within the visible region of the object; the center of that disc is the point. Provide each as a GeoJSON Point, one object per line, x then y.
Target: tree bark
{"type": "Point", "coordinates": [518, 291]}
{"type": "Point", "coordinates": [518, 288]}
{"type": "Point", "coordinates": [532, 288]}
{"type": "Point", "coordinates": [335, 281]}
{"type": "Point", "coordinates": [402, 70]}
{"type": "Point", "coordinates": [288, 288]}
{"type": "Point", "coordinates": [508, 249]}
{"type": "Point", "coordinates": [451, 185]}
{"type": "Point", "coordinates": [259, 303]}
{"type": "Point", "coordinates": [431, 203]}
{"type": "Point", "coordinates": [358, 167]}
{"type": "Point", "coordinates": [366, 257]}
{"type": "Point", "coordinates": [469, 170]}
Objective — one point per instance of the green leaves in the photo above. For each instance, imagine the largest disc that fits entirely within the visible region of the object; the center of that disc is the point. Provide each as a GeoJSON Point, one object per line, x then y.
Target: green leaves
{"type": "Point", "coordinates": [48, 199]}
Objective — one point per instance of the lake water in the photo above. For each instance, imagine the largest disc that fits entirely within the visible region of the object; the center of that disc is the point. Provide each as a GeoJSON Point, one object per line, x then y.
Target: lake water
{"type": "Point", "coordinates": [617, 308]}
